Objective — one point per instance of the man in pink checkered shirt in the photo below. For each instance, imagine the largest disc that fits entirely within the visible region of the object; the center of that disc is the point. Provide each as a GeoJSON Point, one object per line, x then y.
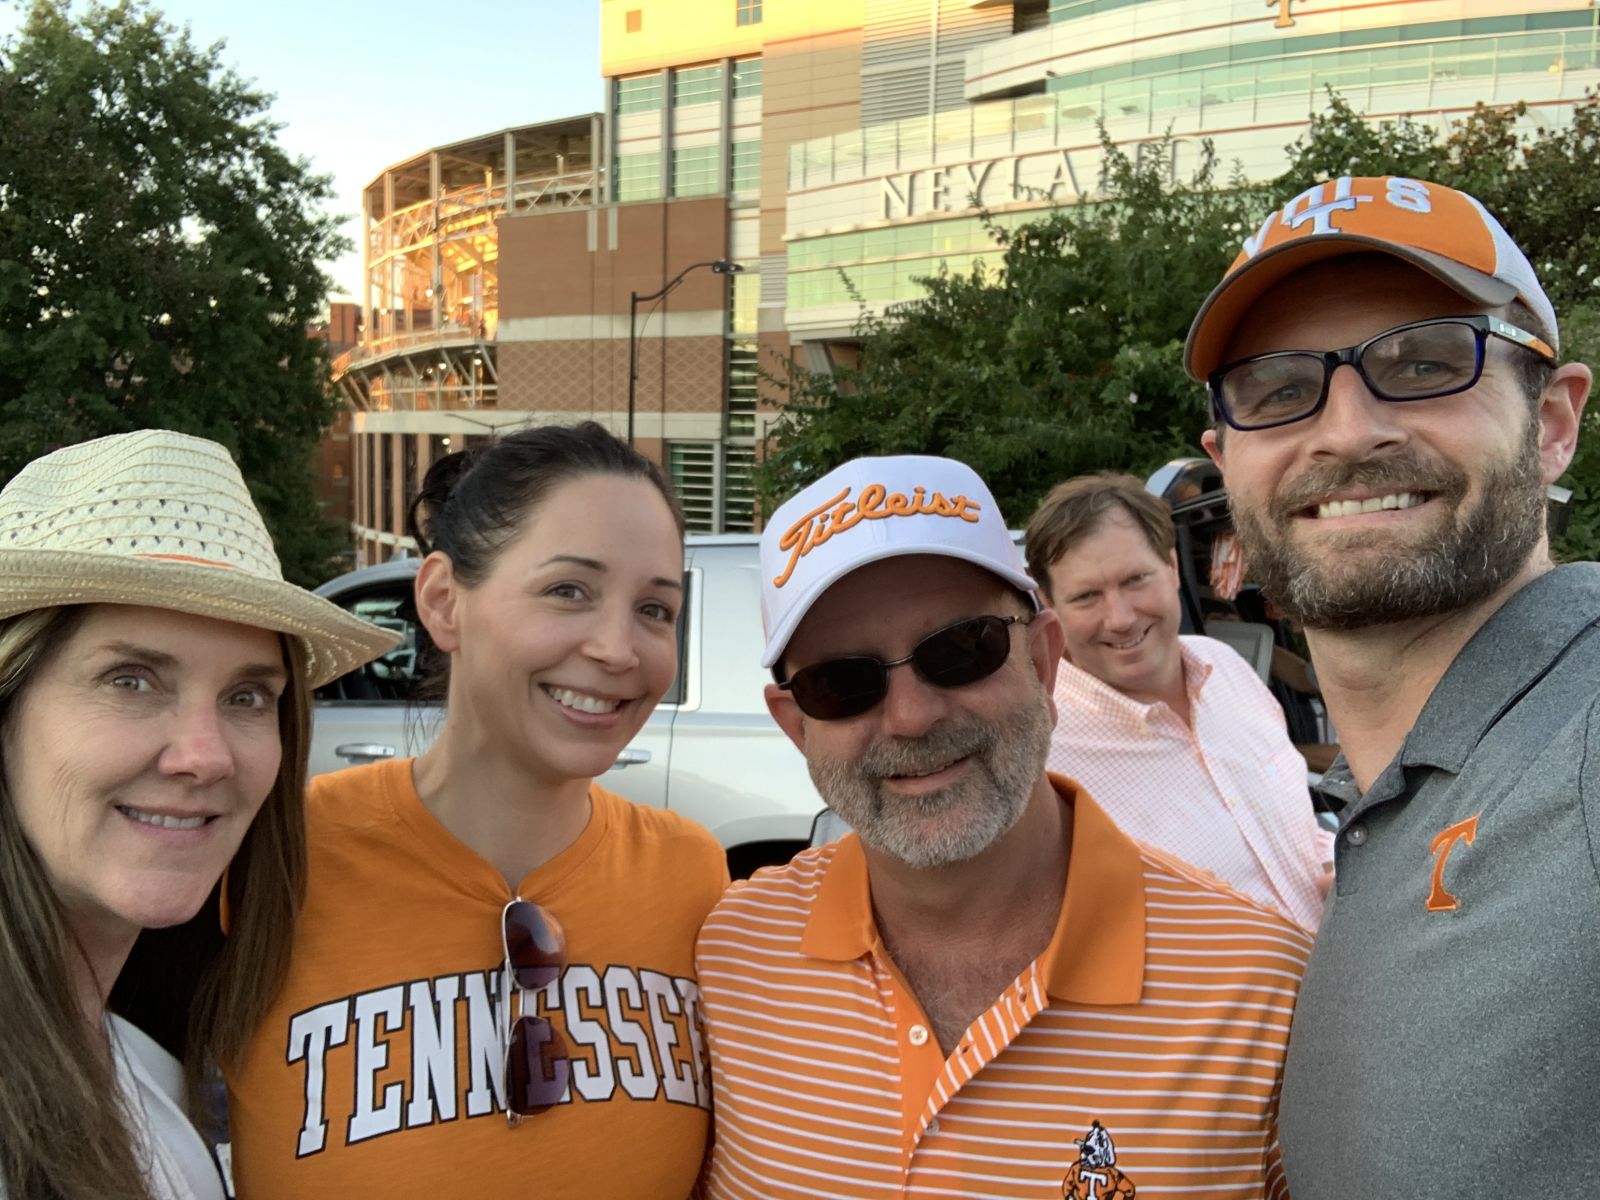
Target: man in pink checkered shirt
{"type": "Point", "coordinates": [1175, 737]}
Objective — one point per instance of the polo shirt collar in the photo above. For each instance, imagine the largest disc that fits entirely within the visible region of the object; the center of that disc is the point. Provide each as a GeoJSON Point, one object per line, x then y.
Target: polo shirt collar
{"type": "Point", "coordinates": [1095, 956]}
{"type": "Point", "coordinates": [1516, 646]}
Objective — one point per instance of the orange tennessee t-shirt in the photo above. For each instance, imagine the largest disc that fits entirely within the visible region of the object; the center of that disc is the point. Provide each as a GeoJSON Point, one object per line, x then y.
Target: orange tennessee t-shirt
{"type": "Point", "coordinates": [380, 1069]}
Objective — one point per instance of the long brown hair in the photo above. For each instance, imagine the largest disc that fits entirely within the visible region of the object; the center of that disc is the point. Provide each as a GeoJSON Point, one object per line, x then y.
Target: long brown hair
{"type": "Point", "coordinates": [63, 1134]}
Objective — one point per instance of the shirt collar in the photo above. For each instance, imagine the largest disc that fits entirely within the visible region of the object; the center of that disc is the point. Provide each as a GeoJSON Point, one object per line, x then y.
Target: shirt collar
{"type": "Point", "coordinates": [1073, 680]}
{"type": "Point", "coordinates": [1516, 646]}
{"type": "Point", "coordinates": [1095, 956]}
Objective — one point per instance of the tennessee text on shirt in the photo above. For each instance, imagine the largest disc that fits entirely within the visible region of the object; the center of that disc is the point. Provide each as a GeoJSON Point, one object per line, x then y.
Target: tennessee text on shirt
{"type": "Point", "coordinates": [875, 503]}
{"type": "Point", "coordinates": [432, 1050]}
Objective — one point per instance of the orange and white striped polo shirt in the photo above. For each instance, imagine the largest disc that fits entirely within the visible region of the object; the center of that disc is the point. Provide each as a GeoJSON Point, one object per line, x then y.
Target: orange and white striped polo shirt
{"type": "Point", "coordinates": [1142, 1050]}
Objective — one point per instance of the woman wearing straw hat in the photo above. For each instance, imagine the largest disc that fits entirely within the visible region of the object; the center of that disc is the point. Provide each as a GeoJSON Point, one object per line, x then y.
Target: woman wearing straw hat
{"type": "Point", "coordinates": [493, 986]}
{"type": "Point", "coordinates": [154, 675]}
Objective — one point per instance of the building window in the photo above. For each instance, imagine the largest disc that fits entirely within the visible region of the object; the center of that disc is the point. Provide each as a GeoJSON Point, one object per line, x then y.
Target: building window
{"type": "Point", "coordinates": [408, 476]}
{"type": "Point", "coordinates": [694, 171]}
{"type": "Point", "coordinates": [747, 12]}
{"type": "Point", "coordinates": [633, 21]}
{"type": "Point", "coordinates": [697, 85]}
{"type": "Point", "coordinates": [692, 468]}
{"type": "Point", "coordinates": [641, 93]}
{"type": "Point", "coordinates": [713, 485]}
{"type": "Point", "coordinates": [742, 381]}
{"type": "Point", "coordinates": [746, 297]}
{"type": "Point", "coordinates": [747, 78]}
{"type": "Point", "coordinates": [375, 471]}
{"type": "Point", "coordinates": [745, 168]}
{"type": "Point", "coordinates": [738, 490]}
{"type": "Point", "coordinates": [386, 482]}
{"type": "Point", "coordinates": [638, 176]}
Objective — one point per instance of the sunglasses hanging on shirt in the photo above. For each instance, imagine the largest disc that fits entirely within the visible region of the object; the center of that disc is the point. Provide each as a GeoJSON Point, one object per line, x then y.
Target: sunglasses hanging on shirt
{"type": "Point", "coordinates": [537, 1067]}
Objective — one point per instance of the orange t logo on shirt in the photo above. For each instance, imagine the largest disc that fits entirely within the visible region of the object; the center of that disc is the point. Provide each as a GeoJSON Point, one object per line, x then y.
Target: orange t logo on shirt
{"type": "Point", "coordinates": [1440, 900]}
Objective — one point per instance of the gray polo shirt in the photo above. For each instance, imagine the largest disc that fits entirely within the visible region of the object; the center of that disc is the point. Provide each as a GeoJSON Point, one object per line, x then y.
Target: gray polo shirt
{"type": "Point", "coordinates": [1447, 1039]}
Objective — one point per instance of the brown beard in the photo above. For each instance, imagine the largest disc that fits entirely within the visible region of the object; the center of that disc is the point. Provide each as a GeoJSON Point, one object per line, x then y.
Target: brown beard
{"type": "Point", "coordinates": [1476, 553]}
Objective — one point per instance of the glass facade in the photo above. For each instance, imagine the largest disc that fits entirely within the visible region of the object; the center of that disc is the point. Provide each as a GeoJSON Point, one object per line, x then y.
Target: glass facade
{"type": "Point", "coordinates": [694, 171]}
{"type": "Point", "coordinates": [1070, 10]}
{"type": "Point", "coordinates": [1360, 58]}
{"type": "Point", "coordinates": [638, 176]}
{"type": "Point", "coordinates": [746, 298]}
{"type": "Point", "coordinates": [875, 265]}
{"type": "Point", "coordinates": [747, 76]}
{"type": "Point", "coordinates": [744, 168]}
{"type": "Point", "coordinates": [697, 85]}
{"type": "Point", "coordinates": [641, 93]}
{"type": "Point", "coordinates": [1441, 51]}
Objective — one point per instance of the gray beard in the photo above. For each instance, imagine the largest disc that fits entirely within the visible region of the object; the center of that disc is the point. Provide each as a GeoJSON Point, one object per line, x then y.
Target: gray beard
{"type": "Point", "coordinates": [1478, 551]}
{"type": "Point", "coordinates": [958, 822]}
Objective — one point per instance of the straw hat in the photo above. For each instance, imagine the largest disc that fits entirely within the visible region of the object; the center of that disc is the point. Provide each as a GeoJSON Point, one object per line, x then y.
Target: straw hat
{"type": "Point", "coordinates": [164, 520]}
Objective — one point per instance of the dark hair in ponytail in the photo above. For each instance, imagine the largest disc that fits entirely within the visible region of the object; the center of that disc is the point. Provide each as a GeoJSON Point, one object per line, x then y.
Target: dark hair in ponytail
{"type": "Point", "coordinates": [475, 502]}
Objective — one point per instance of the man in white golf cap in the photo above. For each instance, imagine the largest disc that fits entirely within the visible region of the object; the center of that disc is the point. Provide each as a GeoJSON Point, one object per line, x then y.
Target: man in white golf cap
{"type": "Point", "coordinates": [1382, 365]}
{"type": "Point", "coordinates": [987, 989]}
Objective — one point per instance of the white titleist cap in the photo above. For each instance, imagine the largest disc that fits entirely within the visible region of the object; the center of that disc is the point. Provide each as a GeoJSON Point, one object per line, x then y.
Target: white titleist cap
{"type": "Point", "coordinates": [874, 508]}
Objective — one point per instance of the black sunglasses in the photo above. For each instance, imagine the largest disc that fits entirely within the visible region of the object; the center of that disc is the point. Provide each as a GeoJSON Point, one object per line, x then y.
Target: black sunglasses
{"type": "Point", "coordinates": [959, 654]}
{"type": "Point", "coordinates": [1419, 361]}
{"type": "Point", "coordinates": [536, 1055]}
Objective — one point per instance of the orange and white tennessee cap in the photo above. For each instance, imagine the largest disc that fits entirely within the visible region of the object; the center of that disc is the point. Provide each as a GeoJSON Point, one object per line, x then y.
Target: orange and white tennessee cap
{"type": "Point", "coordinates": [871, 509]}
{"type": "Point", "coordinates": [1446, 233]}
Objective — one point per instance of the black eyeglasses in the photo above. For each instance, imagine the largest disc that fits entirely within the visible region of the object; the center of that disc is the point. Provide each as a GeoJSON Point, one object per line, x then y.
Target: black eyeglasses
{"type": "Point", "coordinates": [958, 654]}
{"type": "Point", "coordinates": [1419, 361]}
{"type": "Point", "coordinates": [536, 1054]}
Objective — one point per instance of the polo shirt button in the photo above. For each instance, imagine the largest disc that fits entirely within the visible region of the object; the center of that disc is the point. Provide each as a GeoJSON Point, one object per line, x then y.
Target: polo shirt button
{"type": "Point", "coordinates": [933, 1125]}
{"type": "Point", "coordinates": [1357, 835]}
{"type": "Point", "coordinates": [918, 1035]}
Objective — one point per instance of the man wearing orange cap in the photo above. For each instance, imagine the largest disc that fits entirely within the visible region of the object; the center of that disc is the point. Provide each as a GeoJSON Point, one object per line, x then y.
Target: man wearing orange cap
{"type": "Point", "coordinates": [1383, 370]}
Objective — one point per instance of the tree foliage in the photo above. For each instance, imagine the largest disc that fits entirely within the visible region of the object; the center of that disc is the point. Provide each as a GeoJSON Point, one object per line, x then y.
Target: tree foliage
{"type": "Point", "coordinates": [1066, 358]}
{"type": "Point", "coordinates": [159, 259]}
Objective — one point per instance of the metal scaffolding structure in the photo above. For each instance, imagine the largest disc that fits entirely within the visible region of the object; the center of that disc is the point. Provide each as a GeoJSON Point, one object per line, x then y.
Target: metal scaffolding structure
{"type": "Point", "coordinates": [432, 299]}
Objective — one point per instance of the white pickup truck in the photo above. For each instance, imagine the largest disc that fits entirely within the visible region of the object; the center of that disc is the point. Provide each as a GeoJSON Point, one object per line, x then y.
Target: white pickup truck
{"type": "Point", "coordinates": [709, 751]}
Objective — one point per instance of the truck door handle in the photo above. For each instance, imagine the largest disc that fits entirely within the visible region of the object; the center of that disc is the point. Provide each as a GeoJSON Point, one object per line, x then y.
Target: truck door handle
{"type": "Point", "coordinates": [630, 758]}
{"type": "Point", "coordinates": [358, 752]}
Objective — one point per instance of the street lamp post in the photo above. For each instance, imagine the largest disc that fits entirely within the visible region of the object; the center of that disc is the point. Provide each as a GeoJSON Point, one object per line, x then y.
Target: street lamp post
{"type": "Point", "coordinates": [719, 266]}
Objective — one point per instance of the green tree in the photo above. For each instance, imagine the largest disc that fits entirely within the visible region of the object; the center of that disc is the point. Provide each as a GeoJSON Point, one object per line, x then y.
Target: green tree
{"type": "Point", "coordinates": [159, 259]}
{"type": "Point", "coordinates": [1064, 358]}
{"type": "Point", "coordinates": [1540, 184]}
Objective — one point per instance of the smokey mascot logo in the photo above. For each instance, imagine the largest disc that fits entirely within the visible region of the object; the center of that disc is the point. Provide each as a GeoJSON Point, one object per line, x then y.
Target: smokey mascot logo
{"type": "Point", "coordinates": [1095, 1176]}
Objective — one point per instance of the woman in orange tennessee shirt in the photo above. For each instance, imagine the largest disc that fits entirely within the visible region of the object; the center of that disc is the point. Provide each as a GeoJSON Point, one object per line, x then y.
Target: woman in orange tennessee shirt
{"type": "Point", "coordinates": [492, 990]}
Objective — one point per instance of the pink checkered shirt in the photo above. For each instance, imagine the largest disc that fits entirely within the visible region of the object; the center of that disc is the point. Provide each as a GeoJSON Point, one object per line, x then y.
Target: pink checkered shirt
{"type": "Point", "coordinates": [1227, 794]}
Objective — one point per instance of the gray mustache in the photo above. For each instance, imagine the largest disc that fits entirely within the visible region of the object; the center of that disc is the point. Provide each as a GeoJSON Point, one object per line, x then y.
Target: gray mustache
{"type": "Point", "coordinates": [917, 756]}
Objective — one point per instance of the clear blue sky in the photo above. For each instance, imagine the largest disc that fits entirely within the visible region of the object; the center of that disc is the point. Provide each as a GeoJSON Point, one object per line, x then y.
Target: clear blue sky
{"type": "Point", "coordinates": [361, 84]}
